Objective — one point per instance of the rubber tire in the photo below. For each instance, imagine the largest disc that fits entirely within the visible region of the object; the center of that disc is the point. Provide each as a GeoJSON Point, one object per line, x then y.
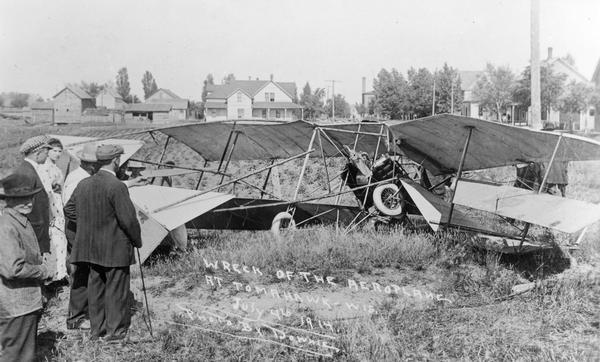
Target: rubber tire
{"type": "Point", "coordinates": [276, 224]}
{"type": "Point", "coordinates": [380, 205]}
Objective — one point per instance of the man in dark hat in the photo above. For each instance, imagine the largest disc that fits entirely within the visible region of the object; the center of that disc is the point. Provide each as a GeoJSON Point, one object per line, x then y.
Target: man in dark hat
{"type": "Point", "coordinates": [35, 150]}
{"type": "Point", "coordinates": [22, 271]}
{"type": "Point", "coordinates": [107, 232]}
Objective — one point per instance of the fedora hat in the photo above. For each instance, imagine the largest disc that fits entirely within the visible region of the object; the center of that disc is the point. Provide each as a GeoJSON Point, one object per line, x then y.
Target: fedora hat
{"type": "Point", "coordinates": [12, 186]}
{"type": "Point", "coordinates": [88, 153]}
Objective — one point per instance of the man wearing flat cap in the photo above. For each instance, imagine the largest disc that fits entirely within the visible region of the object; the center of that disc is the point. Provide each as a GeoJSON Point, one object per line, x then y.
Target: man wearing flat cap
{"type": "Point", "coordinates": [22, 271]}
{"type": "Point", "coordinates": [35, 151]}
{"type": "Point", "coordinates": [107, 232]}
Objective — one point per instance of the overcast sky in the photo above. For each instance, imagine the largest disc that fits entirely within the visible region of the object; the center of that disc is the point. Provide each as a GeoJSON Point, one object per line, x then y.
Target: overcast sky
{"type": "Point", "coordinates": [46, 44]}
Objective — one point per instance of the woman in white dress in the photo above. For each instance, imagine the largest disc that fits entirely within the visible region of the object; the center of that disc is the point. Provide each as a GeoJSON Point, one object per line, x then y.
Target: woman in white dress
{"type": "Point", "coordinates": [53, 178]}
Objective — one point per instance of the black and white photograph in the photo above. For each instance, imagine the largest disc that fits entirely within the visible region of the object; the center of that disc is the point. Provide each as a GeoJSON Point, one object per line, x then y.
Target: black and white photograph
{"type": "Point", "coordinates": [334, 180]}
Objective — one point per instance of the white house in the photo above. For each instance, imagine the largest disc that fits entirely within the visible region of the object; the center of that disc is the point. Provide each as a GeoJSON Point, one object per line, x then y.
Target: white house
{"type": "Point", "coordinates": [251, 99]}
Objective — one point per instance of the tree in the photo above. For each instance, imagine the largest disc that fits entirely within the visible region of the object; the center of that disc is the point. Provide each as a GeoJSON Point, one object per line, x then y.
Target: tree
{"type": "Point", "coordinates": [390, 94]}
{"type": "Point", "coordinates": [122, 82]}
{"type": "Point", "coordinates": [19, 100]}
{"type": "Point", "coordinates": [576, 98]}
{"type": "Point", "coordinates": [132, 98]}
{"type": "Point", "coordinates": [229, 78]}
{"type": "Point", "coordinates": [494, 89]}
{"type": "Point", "coordinates": [342, 108]}
{"type": "Point", "coordinates": [148, 84]}
{"type": "Point", "coordinates": [447, 90]}
{"type": "Point", "coordinates": [91, 88]}
{"type": "Point", "coordinates": [420, 91]}
{"type": "Point", "coordinates": [312, 103]}
{"type": "Point", "coordinates": [1, 101]}
{"type": "Point", "coordinates": [361, 109]}
{"type": "Point", "coordinates": [551, 85]}
{"type": "Point", "coordinates": [207, 82]}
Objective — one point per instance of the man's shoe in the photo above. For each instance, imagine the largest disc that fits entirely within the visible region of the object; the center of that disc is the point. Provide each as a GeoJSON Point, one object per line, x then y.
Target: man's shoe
{"type": "Point", "coordinates": [84, 324]}
{"type": "Point", "coordinates": [115, 339]}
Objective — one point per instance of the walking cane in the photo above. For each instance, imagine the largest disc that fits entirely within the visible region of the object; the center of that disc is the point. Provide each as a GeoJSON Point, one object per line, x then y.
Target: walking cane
{"type": "Point", "coordinates": [144, 289]}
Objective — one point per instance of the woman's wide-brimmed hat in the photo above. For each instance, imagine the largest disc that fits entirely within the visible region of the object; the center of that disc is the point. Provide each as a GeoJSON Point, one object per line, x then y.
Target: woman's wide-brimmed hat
{"type": "Point", "coordinates": [14, 185]}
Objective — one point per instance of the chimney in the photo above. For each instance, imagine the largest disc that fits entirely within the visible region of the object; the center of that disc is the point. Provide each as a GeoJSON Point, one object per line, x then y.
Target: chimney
{"type": "Point", "coordinates": [364, 84]}
{"type": "Point", "coordinates": [271, 77]}
{"type": "Point", "coordinates": [549, 52]}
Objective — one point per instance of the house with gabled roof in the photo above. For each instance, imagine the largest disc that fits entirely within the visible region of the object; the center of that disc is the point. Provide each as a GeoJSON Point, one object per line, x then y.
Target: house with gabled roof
{"type": "Point", "coordinates": [110, 99]}
{"type": "Point", "coordinates": [70, 103]}
{"type": "Point", "coordinates": [251, 99]}
{"type": "Point", "coordinates": [179, 106]}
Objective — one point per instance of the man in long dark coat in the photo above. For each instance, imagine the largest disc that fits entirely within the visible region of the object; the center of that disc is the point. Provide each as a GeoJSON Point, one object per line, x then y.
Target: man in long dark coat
{"type": "Point", "coordinates": [107, 232]}
{"type": "Point", "coordinates": [35, 150]}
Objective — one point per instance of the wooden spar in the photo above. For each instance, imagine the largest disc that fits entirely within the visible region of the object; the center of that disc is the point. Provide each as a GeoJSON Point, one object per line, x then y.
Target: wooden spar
{"type": "Point", "coordinates": [310, 145]}
{"type": "Point", "coordinates": [237, 134]}
{"type": "Point", "coordinates": [356, 138]}
{"type": "Point", "coordinates": [162, 155]}
{"type": "Point", "coordinates": [331, 141]}
{"type": "Point", "coordinates": [374, 158]}
{"type": "Point", "coordinates": [348, 131]}
{"type": "Point", "coordinates": [550, 164]}
{"type": "Point", "coordinates": [266, 180]}
{"type": "Point", "coordinates": [543, 184]}
{"type": "Point", "coordinates": [182, 167]}
{"type": "Point", "coordinates": [279, 203]}
{"type": "Point", "coordinates": [459, 172]}
{"type": "Point", "coordinates": [226, 146]}
{"type": "Point", "coordinates": [324, 163]}
{"type": "Point", "coordinates": [201, 175]}
{"type": "Point", "coordinates": [233, 181]}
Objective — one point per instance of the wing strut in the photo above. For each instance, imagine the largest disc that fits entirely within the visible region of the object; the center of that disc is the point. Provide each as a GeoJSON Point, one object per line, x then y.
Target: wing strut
{"type": "Point", "coordinates": [459, 172]}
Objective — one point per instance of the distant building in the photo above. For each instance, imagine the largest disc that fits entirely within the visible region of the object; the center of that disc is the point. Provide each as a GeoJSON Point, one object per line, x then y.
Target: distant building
{"type": "Point", "coordinates": [110, 99]}
{"type": "Point", "coordinates": [149, 112]}
{"type": "Point", "coordinates": [179, 106]}
{"type": "Point", "coordinates": [70, 103]}
{"type": "Point", "coordinates": [470, 106]}
{"type": "Point", "coordinates": [252, 99]}
{"type": "Point", "coordinates": [42, 112]}
{"type": "Point", "coordinates": [582, 121]}
{"type": "Point", "coordinates": [596, 81]}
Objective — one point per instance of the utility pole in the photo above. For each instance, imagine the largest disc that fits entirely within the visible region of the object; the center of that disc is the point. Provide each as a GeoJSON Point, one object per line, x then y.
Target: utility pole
{"type": "Point", "coordinates": [332, 97]}
{"type": "Point", "coordinates": [536, 114]}
{"type": "Point", "coordinates": [452, 95]}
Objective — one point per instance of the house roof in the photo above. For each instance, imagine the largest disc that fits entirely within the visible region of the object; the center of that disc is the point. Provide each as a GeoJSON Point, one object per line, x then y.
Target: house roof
{"type": "Point", "coordinates": [77, 91]}
{"type": "Point", "coordinates": [596, 76]}
{"type": "Point", "coordinates": [42, 105]}
{"type": "Point", "coordinates": [553, 61]}
{"type": "Point", "coordinates": [468, 78]}
{"type": "Point", "coordinates": [111, 92]}
{"type": "Point", "coordinates": [168, 91]}
{"type": "Point", "coordinates": [275, 105]}
{"type": "Point", "coordinates": [148, 107]}
{"type": "Point", "coordinates": [251, 87]}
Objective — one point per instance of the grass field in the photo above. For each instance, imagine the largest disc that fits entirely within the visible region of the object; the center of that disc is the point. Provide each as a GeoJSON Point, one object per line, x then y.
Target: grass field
{"type": "Point", "coordinates": [448, 300]}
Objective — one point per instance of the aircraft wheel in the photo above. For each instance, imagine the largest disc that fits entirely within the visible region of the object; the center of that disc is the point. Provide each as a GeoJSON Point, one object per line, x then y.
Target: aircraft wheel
{"type": "Point", "coordinates": [283, 220]}
{"type": "Point", "coordinates": [388, 200]}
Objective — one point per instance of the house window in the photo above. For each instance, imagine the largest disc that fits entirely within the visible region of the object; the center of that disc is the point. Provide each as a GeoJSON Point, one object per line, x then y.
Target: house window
{"type": "Point", "coordinates": [278, 114]}
{"type": "Point", "coordinates": [239, 97]}
{"type": "Point", "coordinates": [213, 112]}
{"type": "Point", "coordinates": [240, 112]}
{"type": "Point", "coordinates": [270, 97]}
{"type": "Point", "coordinates": [264, 113]}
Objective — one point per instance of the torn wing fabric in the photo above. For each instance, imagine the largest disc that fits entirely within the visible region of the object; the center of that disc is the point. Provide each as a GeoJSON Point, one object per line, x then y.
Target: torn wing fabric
{"type": "Point", "coordinates": [181, 207]}
{"type": "Point", "coordinates": [546, 210]}
{"type": "Point", "coordinates": [437, 143]}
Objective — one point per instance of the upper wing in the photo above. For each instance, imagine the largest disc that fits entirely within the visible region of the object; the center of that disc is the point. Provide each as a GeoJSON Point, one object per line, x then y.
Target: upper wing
{"type": "Point", "coordinates": [74, 144]}
{"type": "Point", "coordinates": [437, 142]}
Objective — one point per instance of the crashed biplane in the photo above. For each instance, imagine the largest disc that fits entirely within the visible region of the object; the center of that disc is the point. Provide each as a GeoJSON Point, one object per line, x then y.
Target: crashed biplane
{"type": "Point", "coordinates": [385, 169]}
